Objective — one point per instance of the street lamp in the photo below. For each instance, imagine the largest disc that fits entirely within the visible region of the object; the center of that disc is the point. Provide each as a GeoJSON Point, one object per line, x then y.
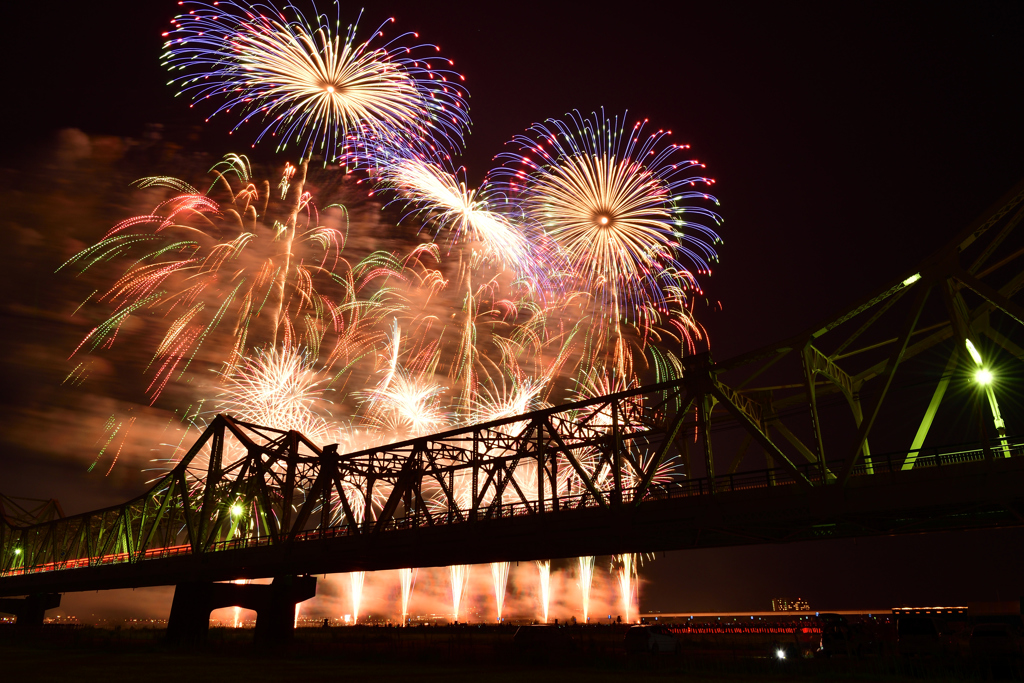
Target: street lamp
{"type": "Point", "coordinates": [983, 376]}
{"type": "Point", "coordinates": [236, 510]}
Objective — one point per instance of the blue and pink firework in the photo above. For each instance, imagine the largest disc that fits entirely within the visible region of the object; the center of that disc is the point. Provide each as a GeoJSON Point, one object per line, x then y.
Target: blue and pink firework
{"type": "Point", "coordinates": [307, 83]}
{"type": "Point", "coordinates": [628, 210]}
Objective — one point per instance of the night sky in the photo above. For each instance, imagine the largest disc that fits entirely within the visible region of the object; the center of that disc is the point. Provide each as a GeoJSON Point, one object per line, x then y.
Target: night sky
{"type": "Point", "coordinates": [847, 141]}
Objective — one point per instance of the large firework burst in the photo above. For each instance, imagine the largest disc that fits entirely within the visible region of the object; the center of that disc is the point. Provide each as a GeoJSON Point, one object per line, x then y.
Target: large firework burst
{"type": "Point", "coordinates": [230, 271]}
{"type": "Point", "coordinates": [625, 208]}
{"type": "Point", "coordinates": [282, 390]}
{"type": "Point", "coordinates": [307, 82]}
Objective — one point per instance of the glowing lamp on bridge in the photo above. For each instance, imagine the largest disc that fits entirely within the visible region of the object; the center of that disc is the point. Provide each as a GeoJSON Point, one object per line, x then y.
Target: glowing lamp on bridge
{"type": "Point", "coordinates": [17, 551]}
{"type": "Point", "coordinates": [983, 376]}
{"type": "Point", "coordinates": [236, 510]}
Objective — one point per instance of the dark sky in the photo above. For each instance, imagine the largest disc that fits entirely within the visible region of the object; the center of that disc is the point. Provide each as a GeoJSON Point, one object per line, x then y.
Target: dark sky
{"type": "Point", "coordinates": [847, 140]}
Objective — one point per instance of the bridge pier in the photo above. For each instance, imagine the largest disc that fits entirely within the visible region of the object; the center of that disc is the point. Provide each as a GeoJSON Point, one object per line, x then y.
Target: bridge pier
{"type": "Point", "coordinates": [274, 604]}
{"type": "Point", "coordinates": [30, 610]}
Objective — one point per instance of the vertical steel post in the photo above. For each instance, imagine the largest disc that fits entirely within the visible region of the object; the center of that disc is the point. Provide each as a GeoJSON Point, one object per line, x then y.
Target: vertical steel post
{"type": "Point", "coordinates": [451, 496]}
{"type": "Point", "coordinates": [705, 426]}
{"type": "Point", "coordinates": [289, 480]}
{"type": "Point", "coordinates": [819, 446]}
{"type": "Point", "coordinates": [212, 476]}
{"type": "Point", "coordinates": [475, 502]}
{"type": "Point", "coordinates": [616, 454]}
{"type": "Point", "coordinates": [540, 465]}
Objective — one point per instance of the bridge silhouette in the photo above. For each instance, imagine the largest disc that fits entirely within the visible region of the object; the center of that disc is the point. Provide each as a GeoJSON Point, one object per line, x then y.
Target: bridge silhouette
{"type": "Point", "coordinates": [851, 419]}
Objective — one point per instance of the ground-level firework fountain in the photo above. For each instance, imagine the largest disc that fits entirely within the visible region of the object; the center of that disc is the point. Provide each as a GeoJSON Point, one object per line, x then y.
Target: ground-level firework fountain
{"type": "Point", "coordinates": [539, 594]}
{"type": "Point", "coordinates": [544, 583]}
{"type": "Point", "coordinates": [459, 576]}
{"type": "Point", "coordinates": [626, 575]}
{"type": "Point", "coordinates": [586, 570]}
{"type": "Point", "coordinates": [499, 574]}
{"type": "Point", "coordinates": [407, 578]}
{"type": "Point", "coordinates": [356, 587]}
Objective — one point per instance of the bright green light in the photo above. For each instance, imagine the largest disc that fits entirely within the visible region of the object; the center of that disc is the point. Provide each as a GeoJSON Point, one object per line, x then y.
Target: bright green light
{"type": "Point", "coordinates": [983, 376]}
{"type": "Point", "coordinates": [236, 510]}
{"type": "Point", "coordinates": [17, 551]}
{"type": "Point", "coordinates": [974, 352]}
{"type": "Point", "coordinates": [912, 279]}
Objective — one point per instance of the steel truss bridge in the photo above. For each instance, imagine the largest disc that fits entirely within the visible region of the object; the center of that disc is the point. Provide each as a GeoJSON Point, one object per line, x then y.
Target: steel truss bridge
{"type": "Point", "coordinates": [842, 430]}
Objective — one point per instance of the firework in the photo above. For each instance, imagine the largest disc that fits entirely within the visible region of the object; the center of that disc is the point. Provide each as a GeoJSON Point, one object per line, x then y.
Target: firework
{"type": "Point", "coordinates": [625, 208]}
{"type": "Point", "coordinates": [407, 579]}
{"type": "Point", "coordinates": [356, 591]}
{"type": "Point", "coordinates": [234, 275]}
{"type": "Point", "coordinates": [626, 575]}
{"type": "Point", "coordinates": [282, 390]}
{"type": "Point", "coordinates": [405, 404]}
{"type": "Point", "coordinates": [522, 397]}
{"type": "Point", "coordinates": [459, 576]}
{"type": "Point", "coordinates": [499, 575]}
{"type": "Point", "coordinates": [287, 319]}
{"type": "Point", "coordinates": [483, 219]}
{"type": "Point", "coordinates": [305, 82]}
{"type": "Point", "coordinates": [544, 584]}
{"type": "Point", "coordinates": [586, 569]}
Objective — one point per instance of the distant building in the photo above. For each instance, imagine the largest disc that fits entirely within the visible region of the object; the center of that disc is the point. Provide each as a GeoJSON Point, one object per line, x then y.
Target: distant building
{"type": "Point", "coordinates": [798, 605]}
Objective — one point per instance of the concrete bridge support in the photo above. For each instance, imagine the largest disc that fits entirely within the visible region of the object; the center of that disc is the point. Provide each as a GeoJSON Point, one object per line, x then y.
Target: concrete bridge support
{"type": "Point", "coordinates": [30, 610]}
{"type": "Point", "coordinates": [274, 605]}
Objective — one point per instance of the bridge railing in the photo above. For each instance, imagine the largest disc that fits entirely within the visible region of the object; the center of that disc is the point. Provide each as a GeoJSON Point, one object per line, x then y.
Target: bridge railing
{"type": "Point", "coordinates": [702, 486]}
